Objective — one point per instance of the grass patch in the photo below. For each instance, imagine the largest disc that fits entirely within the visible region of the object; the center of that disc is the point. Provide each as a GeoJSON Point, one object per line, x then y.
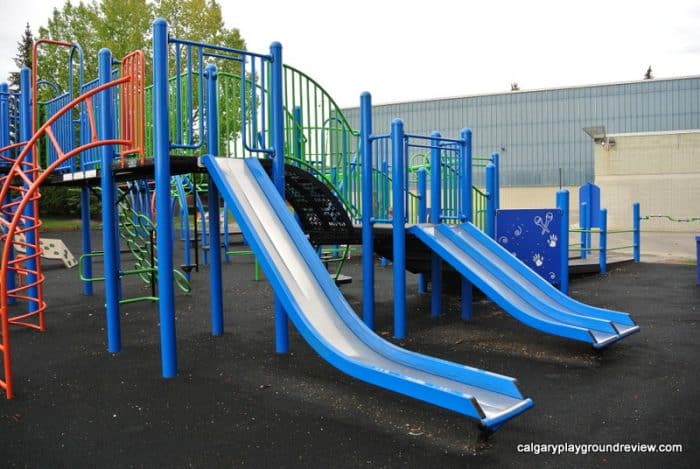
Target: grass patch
{"type": "Point", "coordinates": [50, 224]}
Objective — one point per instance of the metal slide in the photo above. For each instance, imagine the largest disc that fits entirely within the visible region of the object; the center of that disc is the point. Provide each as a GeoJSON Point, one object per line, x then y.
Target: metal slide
{"type": "Point", "coordinates": [520, 291]}
{"type": "Point", "coordinates": [328, 323]}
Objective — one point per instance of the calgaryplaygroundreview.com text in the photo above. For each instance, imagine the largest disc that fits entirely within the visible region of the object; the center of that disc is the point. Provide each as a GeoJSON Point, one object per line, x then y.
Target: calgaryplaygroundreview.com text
{"type": "Point", "coordinates": [588, 448]}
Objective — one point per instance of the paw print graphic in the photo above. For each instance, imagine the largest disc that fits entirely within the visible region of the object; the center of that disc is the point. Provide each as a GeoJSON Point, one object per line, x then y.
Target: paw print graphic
{"type": "Point", "coordinates": [538, 259]}
{"type": "Point", "coordinates": [552, 241]}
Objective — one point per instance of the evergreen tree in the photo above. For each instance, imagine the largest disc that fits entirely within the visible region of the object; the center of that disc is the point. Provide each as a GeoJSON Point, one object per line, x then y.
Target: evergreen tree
{"type": "Point", "coordinates": [23, 57]}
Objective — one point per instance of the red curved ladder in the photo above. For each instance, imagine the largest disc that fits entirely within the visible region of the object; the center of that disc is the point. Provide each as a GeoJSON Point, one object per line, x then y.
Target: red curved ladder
{"type": "Point", "coordinates": [24, 178]}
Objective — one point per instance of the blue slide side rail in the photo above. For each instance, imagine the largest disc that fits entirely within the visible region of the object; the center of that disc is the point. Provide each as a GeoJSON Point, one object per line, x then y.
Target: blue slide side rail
{"type": "Point", "coordinates": [420, 390]}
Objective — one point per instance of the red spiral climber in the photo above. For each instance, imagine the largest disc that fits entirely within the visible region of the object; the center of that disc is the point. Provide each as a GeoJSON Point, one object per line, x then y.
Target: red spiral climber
{"type": "Point", "coordinates": [21, 223]}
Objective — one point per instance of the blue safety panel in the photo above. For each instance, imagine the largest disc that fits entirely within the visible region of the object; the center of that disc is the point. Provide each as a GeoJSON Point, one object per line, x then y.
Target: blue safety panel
{"type": "Point", "coordinates": [532, 235]}
{"type": "Point", "coordinates": [590, 194]}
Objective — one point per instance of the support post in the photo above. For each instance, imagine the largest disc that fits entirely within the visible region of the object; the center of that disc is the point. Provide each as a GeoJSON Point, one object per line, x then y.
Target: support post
{"type": "Point", "coordinates": [435, 211]}
{"type": "Point", "coordinates": [4, 115]}
{"type": "Point", "coordinates": [496, 160]}
{"type": "Point", "coordinates": [384, 209]}
{"type": "Point", "coordinates": [109, 225]}
{"type": "Point", "coordinates": [466, 170]}
{"type": "Point", "coordinates": [466, 202]}
{"type": "Point", "coordinates": [398, 227]}
{"type": "Point", "coordinates": [636, 221]}
{"type": "Point", "coordinates": [421, 180]}
{"type": "Point", "coordinates": [297, 134]}
{"type": "Point", "coordinates": [563, 205]}
{"type": "Point", "coordinates": [277, 131]}
{"type": "Point", "coordinates": [491, 200]}
{"type": "Point", "coordinates": [366, 187]}
{"type": "Point", "coordinates": [603, 247]}
{"type": "Point", "coordinates": [86, 240]}
{"type": "Point", "coordinates": [10, 280]}
{"type": "Point", "coordinates": [217, 308]}
{"type": "Point", "coordinates": [25, 130]}
{"type": "Point", "coordinates": [585, 225]}
{"type": "Point", "coordinates": [164, 219]}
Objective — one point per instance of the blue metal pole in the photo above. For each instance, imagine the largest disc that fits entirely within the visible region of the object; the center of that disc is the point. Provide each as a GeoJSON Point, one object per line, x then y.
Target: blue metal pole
{"type": "Point", "coordinates": [25, 130]}
{"type": "Point", "coordinates": [398, 227]}
{"type": "Point", "coordinates": [491, 200]}
{"type": "Point", "coordinates": [384, 181]}
{"type": "Point", "coordinates": [109, 225]}
{"type": "Point", "coordinates": [422, 189]}
{"type": "Point", "coordinates": [435, 210]}
{"type": "Point", "coordinates": [227, 242]}
{"type": "Point", "coordinates": [585, 225]}
{"type": "Point", "coordinates": [86, 241]}
{"type": "Point", "coordinates": [277, 130]}
{"type": "Point", "coordinates": [602, 252]}
{"type": "Point", "coordinates": [164, 219]}
{"type": "Point", "coordinates": [217, 308]}
{"type": "Point", "coordinates": [466, 191]}
{"type": "Point", "coordinates": [5, 141]}
{"type": "Point", "coordinates": [297, 133]}
{"type": "Point", "coordinates": [563, 204]}
{"type": "Point", "coordinates": [496, 160]}
{"type": "Point", "coordinates": [366, 187]}
{"type": "Point", "coordinates": [636, 219]}
{"type": "Point", "coordinates": [4, 115]}
{"type": "Point", "coordinates": [466, 170]}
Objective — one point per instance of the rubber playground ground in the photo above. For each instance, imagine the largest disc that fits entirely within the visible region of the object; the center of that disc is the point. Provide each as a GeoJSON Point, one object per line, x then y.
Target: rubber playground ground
{"type": "Point", "coordinates": [236, 403]}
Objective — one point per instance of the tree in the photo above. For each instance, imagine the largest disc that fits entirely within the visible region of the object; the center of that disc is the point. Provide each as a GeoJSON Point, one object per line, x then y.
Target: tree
{"type": "Point", "coordinates": [124, 26]}
{"type": "Point", "coordinates": [198, 20]}
{"type": "Point", "coordinates": [202, 21]}
{"type": "Point", "coordinates": [23, 57]}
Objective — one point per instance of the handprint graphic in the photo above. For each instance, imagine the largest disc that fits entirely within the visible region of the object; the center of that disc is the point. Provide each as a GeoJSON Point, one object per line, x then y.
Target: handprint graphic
{"type": "Point", "coordinates": [538, 259]}
{"type": "Point", "coordinates": [552, 241]}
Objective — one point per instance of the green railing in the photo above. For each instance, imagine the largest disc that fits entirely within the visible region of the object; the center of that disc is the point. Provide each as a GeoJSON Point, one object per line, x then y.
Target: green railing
{"type": "Point", "coordinates": [318, 136]}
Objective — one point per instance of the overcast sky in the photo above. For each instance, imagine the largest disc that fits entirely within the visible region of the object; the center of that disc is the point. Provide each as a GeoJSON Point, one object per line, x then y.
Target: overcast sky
{"type": "Point", "coordinates": [401, 51]}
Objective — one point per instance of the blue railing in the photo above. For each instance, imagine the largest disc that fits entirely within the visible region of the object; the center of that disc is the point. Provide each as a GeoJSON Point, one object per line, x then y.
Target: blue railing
{"type": "Point", "coordinates": [63, 130]}
{"type": "Point", "coordinates": [188, 95]}
{"type": "Point", "coordinates": [9, 122]}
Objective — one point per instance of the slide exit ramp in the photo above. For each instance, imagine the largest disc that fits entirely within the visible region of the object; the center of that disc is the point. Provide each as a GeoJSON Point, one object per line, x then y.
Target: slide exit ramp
{"type": "Point", "coordinates": [327, 321]}
{"type": "Point", "coordinates": [519, 290]}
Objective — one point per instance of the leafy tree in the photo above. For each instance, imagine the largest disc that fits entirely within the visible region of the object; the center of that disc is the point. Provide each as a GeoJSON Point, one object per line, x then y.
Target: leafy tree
{"type": "Point", "coordinates": [198, 20]}
{"type": "Point", "coordinates": [75, 24]}
{"type": "Point", "coordinates": [202, 21]}
{"type": "Point", "coordinates": [124, 26]}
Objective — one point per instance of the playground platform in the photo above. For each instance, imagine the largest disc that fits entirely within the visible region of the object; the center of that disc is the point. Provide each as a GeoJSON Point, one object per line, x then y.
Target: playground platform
{"type": "Point", "coordinates": [130, 171]}
{"type": "Point", "coordinates": [237, 404]}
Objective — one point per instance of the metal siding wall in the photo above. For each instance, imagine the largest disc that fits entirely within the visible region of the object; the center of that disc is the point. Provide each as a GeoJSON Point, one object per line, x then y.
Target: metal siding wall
{"type": "Point", "coordinates": [542, 131]}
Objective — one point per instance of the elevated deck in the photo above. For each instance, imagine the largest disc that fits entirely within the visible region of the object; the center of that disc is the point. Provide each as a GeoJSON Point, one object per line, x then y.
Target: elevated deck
{"type": "Point", "coordinates": [132, 170]}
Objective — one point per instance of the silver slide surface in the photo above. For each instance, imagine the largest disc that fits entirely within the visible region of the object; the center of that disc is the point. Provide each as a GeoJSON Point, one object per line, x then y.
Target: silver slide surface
{"type": "Point", "coordinates": [326, 320]}
{"type": "Point", "coordinates": [519, 290]}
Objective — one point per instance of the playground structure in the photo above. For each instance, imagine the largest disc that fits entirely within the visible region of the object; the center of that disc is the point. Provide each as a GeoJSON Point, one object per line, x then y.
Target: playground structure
{"type": "Point", "coordinates": [251, 127]}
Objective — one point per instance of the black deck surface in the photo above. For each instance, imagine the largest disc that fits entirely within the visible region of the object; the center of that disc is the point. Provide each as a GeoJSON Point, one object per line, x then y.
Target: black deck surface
{"type": "Point", "coordinates": [237, 404]}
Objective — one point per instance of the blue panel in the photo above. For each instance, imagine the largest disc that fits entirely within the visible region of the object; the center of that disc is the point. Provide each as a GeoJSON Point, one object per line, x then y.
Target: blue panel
{"type": "Point", "coordinates": [532, 236]}
{"type": "Point", "coordinates": [590, 194]}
